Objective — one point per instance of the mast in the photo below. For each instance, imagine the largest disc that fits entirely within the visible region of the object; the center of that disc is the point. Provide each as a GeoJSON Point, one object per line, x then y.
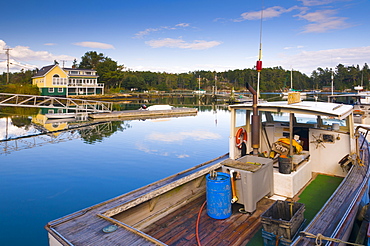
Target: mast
{"type": "Point", "coordinates": [332, 82]}
{"type": "Point", "coordinates": [215, 84]}
{"type": "Point", "coordinates": [259, 62]}
{"type": "Point", "coordinates": [291, 78]}
{"type": "Point", "coordinates": [199, 83]}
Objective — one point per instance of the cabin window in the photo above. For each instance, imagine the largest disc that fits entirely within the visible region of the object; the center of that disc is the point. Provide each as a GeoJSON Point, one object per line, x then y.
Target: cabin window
{"type": "Point", "coordinates": [240, 118]}
{"type": "Point", "coordinates": [50, 111]}
{"type": "Point", "coordinates": [60, 89]}
{"type": "Point", "coordinates": [328, 121]}
{"type": "Point", "coordinates": [305, 119]}
{"type": "Point", "coordinates": [73, 72]}
{"type": "Point", "coordinates": [280, 117]}
{"type": "Point", "coordinates": [51, 90]}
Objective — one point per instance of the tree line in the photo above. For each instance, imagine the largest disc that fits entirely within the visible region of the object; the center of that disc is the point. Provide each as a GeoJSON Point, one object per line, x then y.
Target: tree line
{"type": "Point", "coordinates": [119, 79]}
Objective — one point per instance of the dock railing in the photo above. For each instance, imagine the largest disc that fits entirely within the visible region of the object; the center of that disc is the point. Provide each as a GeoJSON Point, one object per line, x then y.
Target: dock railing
{"type": "Point", "coordinates": [79, 105]}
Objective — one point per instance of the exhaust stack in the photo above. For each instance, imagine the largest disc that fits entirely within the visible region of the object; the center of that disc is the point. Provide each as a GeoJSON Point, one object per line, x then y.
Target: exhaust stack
{"type": "Point", "coordinates": [255, 121]}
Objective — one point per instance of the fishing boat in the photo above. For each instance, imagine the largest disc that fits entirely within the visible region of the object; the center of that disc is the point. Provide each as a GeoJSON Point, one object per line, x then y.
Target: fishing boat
{"type": "Point", "coordinates": [285, 93]}
{"type": "Point", "coordinates": [60, 115]}
{"type": "Point", "coordinates": [275, 150]}
{"type": "Point", "coordinates": [360, 102]}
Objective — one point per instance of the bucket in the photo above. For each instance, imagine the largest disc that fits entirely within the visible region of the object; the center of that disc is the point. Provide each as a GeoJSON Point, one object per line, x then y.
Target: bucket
{"type": "Point", "coordinates": [218, 196]}
{"type": "Point", "coordinates": [285, 165]}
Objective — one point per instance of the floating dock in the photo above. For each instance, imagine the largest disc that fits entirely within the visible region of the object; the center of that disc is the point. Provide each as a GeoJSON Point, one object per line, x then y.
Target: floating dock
{"type": "Point", "coordinates": [146, 114]}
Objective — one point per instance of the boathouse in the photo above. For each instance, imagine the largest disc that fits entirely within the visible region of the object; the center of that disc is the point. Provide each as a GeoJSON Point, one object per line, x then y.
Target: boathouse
{"type": "Point", "coordinates": [54, 80]}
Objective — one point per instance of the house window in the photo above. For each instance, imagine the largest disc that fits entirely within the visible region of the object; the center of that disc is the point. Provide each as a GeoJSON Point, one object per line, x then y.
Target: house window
{"type": "Point", "coordinates": [60, 90]}
{"type": "Point", "coordinates": [50, 111]}
{"type": "Point", "coordinates": [56, 79]}
{"type": "Point", "coordinates": [51, 90]}
{"type": "Point", "coordinates": [73, 72]}
{"type": "Point", "coordinates": [88, 73]}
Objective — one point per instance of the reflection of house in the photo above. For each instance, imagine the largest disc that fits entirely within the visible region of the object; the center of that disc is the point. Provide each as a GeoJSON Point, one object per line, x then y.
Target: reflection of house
{"type": "Point", "coordinates": [56, 81]}
{"type": "Point", "coordinates": [50, 126]}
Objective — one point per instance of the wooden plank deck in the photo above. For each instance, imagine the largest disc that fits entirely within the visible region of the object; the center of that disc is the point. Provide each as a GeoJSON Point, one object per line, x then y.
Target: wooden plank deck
{"type": "Point", "coordinates": [178, 228]}
{"type": "Point", "coordinates": [145, 114]}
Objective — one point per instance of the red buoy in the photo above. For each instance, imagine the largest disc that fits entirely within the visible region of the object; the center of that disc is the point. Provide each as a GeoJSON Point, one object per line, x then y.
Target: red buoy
{"type": "Point", "coordinates": [259, 66]}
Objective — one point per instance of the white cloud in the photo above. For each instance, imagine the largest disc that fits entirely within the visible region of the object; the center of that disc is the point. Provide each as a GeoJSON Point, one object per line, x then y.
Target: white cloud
{"type": "Point", "coordinates": [323, 21]}
{"type": "Point", "coordinates": [307, 61]}
{"type": "Point", "coordinates": [50, 44]}
{"type": "Point", "coordinates": [295, 47]}
{"type": "Point", "coordinates": [268, 13]}
{"type": "Point", "coordinates": [179, 136]}
{"type": "Point", "coordinates": [179, 43]}
{"type": "Point", "coordinates": [316, 2]}
{"type": "Point", "coordinates": [145, 149]}
{"type": "Point", "coordinates": [95, 45]}
{"type": "Point", "coordinates": [148, 31]}
{"type": "Point", "coordinates": [183, 156]}
{"type": "Point", "coordinates": [19, 55]}
{"type": "Point", "coordinates": [183, 24]}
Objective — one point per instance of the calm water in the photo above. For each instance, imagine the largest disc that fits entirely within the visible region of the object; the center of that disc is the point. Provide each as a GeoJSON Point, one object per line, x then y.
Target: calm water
{"type": "Point", "coordinates": [52, 175]}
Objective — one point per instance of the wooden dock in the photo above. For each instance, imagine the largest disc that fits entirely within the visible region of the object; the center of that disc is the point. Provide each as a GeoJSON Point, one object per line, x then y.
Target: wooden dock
{"type": "Point", "coordinates": [145, 114]}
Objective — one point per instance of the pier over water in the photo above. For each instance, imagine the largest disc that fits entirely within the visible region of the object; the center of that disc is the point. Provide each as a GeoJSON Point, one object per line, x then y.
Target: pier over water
{"type": "Point", "coordinates": [34, 101]}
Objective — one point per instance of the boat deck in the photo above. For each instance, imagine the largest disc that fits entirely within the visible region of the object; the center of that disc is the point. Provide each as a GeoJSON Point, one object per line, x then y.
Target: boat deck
{"type": "Point", "coordinates": [178, 228]}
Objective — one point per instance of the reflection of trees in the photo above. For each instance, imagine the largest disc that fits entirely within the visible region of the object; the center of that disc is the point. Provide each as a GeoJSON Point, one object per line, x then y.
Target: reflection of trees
{"type": "Point", "coordinates": [6, 111]}
{"type": "Point", "coordinates": [98, 133]}
{"type": "Point", "coordinates": [89, 132]}
{"type": "Point", "coordinates": [21, 121]}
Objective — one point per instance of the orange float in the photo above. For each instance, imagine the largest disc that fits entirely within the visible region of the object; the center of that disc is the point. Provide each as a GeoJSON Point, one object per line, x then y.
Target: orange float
{"type": "Point", "coordinates": [241, 137]}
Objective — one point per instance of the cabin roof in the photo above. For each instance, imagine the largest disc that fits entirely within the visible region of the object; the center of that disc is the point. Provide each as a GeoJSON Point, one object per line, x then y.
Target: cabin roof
{"type": "Point", "coordinates": [351, 95]}
{"type": "Point", "coordinates": [340, 111]}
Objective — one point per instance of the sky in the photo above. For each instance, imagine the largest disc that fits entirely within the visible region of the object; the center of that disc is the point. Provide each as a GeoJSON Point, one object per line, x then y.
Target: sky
{"type": "Point", "coordinates": [177, 36]}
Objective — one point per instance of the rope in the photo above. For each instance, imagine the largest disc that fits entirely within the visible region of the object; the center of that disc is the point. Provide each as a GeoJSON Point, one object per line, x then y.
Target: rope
{"type": "Point", "coordinates": [319, 237]}
{"type": "Point", "coordinates": [197, 224]}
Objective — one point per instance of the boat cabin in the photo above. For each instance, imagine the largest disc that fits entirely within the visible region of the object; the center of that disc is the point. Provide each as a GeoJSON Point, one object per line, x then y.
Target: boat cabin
{"type": "Point", "coordinates": [315, 129]}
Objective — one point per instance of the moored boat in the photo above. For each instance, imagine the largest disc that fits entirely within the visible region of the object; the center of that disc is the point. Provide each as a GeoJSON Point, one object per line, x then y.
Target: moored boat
{"type": "Point", "coordinates": [60, 115]}
{"type": "Point", "coordinates": [314, 137]}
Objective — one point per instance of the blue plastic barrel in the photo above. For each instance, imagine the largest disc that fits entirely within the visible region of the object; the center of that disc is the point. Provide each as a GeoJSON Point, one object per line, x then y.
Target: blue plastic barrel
{"type": "Point", "coordinates": [219, 196]}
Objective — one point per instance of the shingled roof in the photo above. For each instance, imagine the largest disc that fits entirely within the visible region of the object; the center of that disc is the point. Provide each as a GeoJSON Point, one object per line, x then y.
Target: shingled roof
{"type": "Point", "coordinates": [43, 71]}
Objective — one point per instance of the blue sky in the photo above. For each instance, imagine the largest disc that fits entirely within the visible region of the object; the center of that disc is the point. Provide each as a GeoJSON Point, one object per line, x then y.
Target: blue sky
{"type": "Point", "coordinates": [180, 36]}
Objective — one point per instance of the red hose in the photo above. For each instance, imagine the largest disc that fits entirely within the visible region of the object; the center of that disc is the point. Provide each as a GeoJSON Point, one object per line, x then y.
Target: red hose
{"type": "Point", "coordinates": [197, 224]}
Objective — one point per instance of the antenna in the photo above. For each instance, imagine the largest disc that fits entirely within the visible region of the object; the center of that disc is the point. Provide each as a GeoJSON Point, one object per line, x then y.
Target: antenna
{"type": "Point", "coordinates": [63, 61]}
{"type": "Point", "coordinates": [259, 62]}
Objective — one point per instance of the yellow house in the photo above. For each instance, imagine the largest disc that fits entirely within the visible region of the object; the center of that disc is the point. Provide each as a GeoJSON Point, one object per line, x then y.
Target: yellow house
{"type": "Point", "coordinates": [53, 80]}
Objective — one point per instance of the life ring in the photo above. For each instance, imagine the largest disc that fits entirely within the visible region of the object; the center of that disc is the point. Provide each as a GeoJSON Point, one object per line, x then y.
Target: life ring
{"type": "Point", "coordinates": [240, 137]}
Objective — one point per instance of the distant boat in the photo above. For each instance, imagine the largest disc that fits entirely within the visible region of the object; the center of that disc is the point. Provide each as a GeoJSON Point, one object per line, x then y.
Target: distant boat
{"type": "Point", "coordinates": [199, 92]}
{"type": "Point", "coordinates": [285, 93]}
{"type": "Point", "coordinates": [160, 107]}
